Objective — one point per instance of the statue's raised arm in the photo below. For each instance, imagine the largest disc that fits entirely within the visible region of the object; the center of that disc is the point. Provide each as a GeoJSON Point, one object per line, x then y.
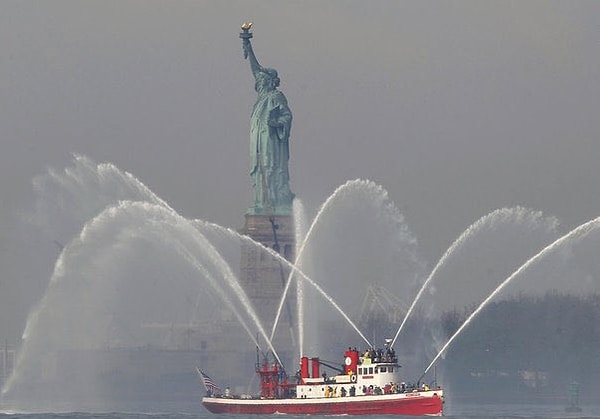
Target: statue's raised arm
{"type": "Point", "coordinates": [246, 35]}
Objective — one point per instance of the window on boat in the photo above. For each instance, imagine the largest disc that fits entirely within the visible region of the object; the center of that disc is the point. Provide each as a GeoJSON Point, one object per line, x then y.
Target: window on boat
{"type": "Point", "coordinates": [391, 369]}
{"type": "Point", "coordinates": [383, 369]}
{"type": "Point", "coordinates": [376, 370]}
{"type": "Point", "coordinates": [360, 371]}
{"type": "Point", "coordinates": [370, 370]}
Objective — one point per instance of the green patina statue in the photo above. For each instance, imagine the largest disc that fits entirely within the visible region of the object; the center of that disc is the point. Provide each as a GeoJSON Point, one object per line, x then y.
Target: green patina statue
{"type": "Point", "coordinates": [271, 122]}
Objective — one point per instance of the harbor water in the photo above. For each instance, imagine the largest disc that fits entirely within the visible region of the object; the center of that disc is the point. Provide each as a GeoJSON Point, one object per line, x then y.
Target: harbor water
{"type": "Point", "coordinates": [193, 411]}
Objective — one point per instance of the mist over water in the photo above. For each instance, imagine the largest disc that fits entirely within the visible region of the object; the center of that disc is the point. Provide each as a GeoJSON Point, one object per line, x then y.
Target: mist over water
{"type": "Point", "coordinates": [136, 276]}
{"type": "Point", "coordinates": [132, 273]}
{"type": "Point", "coordinates": [130, 280]}
{"type": "Point", "coordinates": [121, 280]}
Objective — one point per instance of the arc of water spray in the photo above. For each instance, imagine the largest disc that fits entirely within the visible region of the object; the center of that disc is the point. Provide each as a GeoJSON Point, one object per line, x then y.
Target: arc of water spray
{"type": "Point", "coordinates": [579, 231]}
{"type": "Point", "coordinates": [198, 238]}
{"type": "Point", "coordinates": [238, 289]}
{"type": "Point", "coordinates": [299, 227]}
{"type": "Point", "coordinates": [302, 274]}
{"type": "Point", "coordinates": [418, 296]}
{"type": "Point", "coordinates": [458, 242]}
{"type": "Point", "coordinates": [194, 262]}
{"type": "Point", "coordinates": [104, 168]}
{"type": "Point", "coordinates": [443, 259]}
{"type": "Point", "coordinates": [321, 291]}
{"type": "Point", "coordinates": [295, 267]}
{"type": "Point", "coordinates": [218, 259]}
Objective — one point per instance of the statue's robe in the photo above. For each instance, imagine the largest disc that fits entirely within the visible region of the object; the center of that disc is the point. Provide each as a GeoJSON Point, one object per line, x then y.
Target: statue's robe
{"type": "Point", "coordinates": [269, 152]}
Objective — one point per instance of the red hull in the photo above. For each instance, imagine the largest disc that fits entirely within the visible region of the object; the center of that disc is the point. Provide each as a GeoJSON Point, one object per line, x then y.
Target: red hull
{"type": "Point", "coordinates": [413, 404]}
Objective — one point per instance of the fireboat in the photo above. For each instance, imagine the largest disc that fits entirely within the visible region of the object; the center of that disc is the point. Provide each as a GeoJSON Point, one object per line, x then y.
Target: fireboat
{"type": "Point", "coordinates": [368, 384]}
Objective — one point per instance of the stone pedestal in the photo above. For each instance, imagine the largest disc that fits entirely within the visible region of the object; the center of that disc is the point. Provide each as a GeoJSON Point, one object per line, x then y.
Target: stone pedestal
{"type": "Point", "coordinates": [263, 276]}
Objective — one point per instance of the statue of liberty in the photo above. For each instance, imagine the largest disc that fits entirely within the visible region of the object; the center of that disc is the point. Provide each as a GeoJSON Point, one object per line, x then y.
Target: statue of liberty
{"type": "Point", "coordinates": [271, 122]}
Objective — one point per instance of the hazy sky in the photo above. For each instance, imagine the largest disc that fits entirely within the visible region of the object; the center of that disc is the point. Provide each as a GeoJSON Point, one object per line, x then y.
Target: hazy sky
{"type": "Point", "coordinates": [457, 108]}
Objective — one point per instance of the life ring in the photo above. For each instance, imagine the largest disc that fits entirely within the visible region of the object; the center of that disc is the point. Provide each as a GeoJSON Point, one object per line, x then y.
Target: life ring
{"type": "Point", "coordinates": [353, 378]}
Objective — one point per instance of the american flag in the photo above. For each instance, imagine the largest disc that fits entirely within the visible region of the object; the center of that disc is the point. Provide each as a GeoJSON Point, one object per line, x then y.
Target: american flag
{"type": "Point", "coordinates": [209, 384]}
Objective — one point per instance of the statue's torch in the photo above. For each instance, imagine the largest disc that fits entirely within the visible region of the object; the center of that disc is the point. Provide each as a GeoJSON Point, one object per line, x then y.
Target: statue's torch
{"type": "Point", "coordinates": [245, 34]}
